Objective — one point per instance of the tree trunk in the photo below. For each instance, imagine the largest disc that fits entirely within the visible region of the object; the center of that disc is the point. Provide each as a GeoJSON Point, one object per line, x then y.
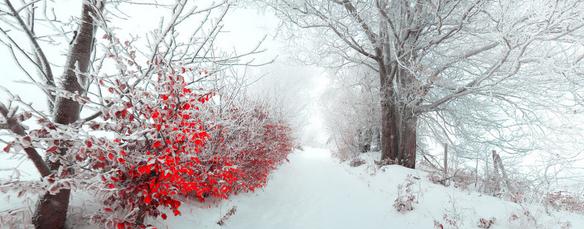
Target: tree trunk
{"type": "Point", "coordinates": [407, 118]}
{"type": "Point", "coordinates": [398, 126]}
{"type": "Point", "coordinates": [389, 137]}
{"type": "Point", "coordinates": [51, 212]}
{"type": "Point", "coordinates": [408, 142]}
{"type": "Point", "coordinates": [364, 139]}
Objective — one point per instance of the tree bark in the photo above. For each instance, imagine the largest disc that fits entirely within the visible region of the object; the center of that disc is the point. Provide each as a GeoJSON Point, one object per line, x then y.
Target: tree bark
{"type": "Point", "coordinates": [407, 143]}
{"type": "Point", "coordinates": [51, 209]}
{"type": "Point", "coordinates": [398, 125]}
{"type": "Point", "coordinates": [389, 137]}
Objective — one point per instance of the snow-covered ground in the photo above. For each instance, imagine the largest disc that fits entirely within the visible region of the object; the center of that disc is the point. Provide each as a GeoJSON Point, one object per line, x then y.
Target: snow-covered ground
{"type": "Point", "coordinates": [314, 190]}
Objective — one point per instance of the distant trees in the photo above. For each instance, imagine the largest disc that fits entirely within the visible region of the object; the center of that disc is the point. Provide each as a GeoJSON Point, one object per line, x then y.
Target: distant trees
{"type": "Point", "coordinates": [351, 108]}
{"type": "Point", "coordinates": [450, 66]}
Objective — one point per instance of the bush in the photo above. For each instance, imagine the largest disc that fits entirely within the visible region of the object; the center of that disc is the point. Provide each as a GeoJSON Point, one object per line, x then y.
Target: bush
{"type": "Point", "coordinates": [154, 158]}
{"type": "Point", "coordinates": [566, 201]}
{"type": "Point", "coordinates": [486, 223]}
{"type": "Point", "coordinates": [155, 141]}
{"type": "Point", "coordinates": [171, 144]}
{"type": "Point", "coordinates": [253, 138]}
{"type": "Point", "coordinates": [406, 198]}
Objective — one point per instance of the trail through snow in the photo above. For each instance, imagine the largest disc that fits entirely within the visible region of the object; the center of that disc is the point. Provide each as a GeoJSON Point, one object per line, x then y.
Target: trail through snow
{"type": "Point", "coordinates": [315, 191]}
{"type": "Point", "coordinates": [311, 191]}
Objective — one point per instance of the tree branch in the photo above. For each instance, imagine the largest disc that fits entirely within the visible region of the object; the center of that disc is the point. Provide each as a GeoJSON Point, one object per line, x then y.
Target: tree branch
{"type": "Point", "coordinates": [13, 124]}
{"type": "Point", "coordinates": [353, 11]}
{"type": "Point", "coordinates": [47, 72]}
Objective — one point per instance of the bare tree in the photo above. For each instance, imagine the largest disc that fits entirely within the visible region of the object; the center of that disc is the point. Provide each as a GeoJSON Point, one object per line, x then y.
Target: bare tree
{"type": "Point", "coordinates": [432, 55]}
{"type": "Point", "coordinates": [51, 211]}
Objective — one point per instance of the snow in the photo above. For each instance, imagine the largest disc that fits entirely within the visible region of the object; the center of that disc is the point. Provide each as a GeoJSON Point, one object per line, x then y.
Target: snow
{"type": "Point", "coordinates": [312, 191]}
{"type": "Point", "coordinates": [315, 190]}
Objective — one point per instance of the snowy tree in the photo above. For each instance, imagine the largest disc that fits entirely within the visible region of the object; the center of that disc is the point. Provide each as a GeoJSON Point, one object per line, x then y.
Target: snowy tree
{"type": "Point", "coordinates": [433, 56]}
{"type": "Point", "coordinates": [64, 96]}
{"type": "Point", "coordinates": [350, 106]}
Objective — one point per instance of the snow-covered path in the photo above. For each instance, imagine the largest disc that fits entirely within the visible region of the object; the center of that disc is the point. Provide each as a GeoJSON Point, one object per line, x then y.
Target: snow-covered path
{"type": "Point", "coordinates": [314, 191]}
{"type": "Point", "coordinates": [311, 191]}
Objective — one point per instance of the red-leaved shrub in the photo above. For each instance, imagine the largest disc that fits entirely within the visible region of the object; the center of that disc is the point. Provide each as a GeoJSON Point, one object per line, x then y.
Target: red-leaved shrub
{"type": "Point", "coordinates": [171, 144]}
{"type": "Point", "coordinates": [154, 158]}
{"type": "Point", "coordinates": [254, 139]}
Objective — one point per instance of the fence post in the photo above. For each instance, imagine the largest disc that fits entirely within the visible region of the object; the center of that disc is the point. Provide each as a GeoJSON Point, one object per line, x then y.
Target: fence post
{"type": "Point", "coordinates": [445, 161]}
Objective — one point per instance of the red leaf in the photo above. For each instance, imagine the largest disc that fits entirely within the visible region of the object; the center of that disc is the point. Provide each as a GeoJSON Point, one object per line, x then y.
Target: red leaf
{"type": "Point", "coordinates": [163, 216]}
{"type": "Point", "coordinates": [144, 169]}
{"type": "Point", "coordinates": [52, 149]}
{"type": "Point", "coordinates": [7, 148]}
